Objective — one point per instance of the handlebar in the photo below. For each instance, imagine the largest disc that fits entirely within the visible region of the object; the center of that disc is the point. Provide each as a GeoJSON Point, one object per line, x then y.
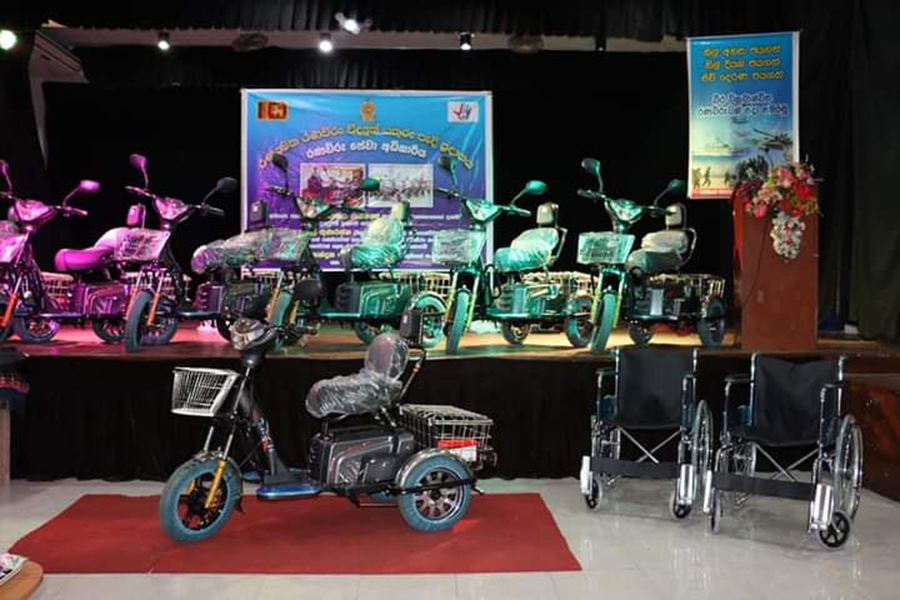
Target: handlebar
{"type": "Point", "coordinates": [71, 210]}
{"type": "Point", "coordinates": [515, 210]}
{"type": "Point", "coordinates": [591, 195]}
{"type": "Point", "coordinates": [139, 191]}
{"type": "Point", "coordinates": [280, 190]}
{"type": "Point", "coordinates": [212, 210]}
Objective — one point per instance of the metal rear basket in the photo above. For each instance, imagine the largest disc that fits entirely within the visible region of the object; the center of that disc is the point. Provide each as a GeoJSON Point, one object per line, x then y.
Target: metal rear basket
{"type": "Point", "coordinates": [59, 286]}
{"type": "Point", "coordinates": [463, 432]}
{"type": "Point", "coordinates": [422, 281]}
{"type": "Point", "coordinates": [198, 392]}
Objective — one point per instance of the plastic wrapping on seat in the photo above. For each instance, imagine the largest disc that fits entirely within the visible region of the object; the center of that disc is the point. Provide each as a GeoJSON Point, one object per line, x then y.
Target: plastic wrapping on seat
{"type": "Point", "coordinates": [661, 251]}
{"type": "Point", "coordinates": [532, 249]}
{"type": "Point", "coordinates": [376, 385]}
{"type": "Point", "coordinates": [381, 245]}
{"type": "Point", "coordinates": [666, 241]}
{"type": "Point", "coordinates": [276, 244]}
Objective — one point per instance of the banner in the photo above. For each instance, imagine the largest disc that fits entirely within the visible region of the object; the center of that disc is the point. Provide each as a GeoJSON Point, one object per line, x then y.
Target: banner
{"type": "Point", "coordinates": [743, 97]}
{"type": "Point", "coordinates": [335, 139]}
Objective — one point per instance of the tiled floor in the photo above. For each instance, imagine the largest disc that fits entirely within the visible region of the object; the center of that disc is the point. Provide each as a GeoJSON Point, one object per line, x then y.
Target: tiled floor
{"type": "Point", "coordinates": [629, 549]}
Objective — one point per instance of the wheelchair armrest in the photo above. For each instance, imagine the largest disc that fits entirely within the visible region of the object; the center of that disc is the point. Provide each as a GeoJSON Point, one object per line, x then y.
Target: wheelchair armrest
{"type": "Point", "coordinates": [603, 373]}
{"type": "Point", "coordinates": [689, 389]}
{"type": "Point", "coordinates": [738, 379]}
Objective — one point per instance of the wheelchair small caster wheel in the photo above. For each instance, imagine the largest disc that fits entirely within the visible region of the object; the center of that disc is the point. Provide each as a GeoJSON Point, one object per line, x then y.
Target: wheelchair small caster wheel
{"type": "Point", "coordinates": [593, 499]}
{"type": "Point", "coordinates": [678, 511]}
{"type": "Point", "coordinates": [837, 533]}
{"type": "Point", "coordinates": [715, 513]}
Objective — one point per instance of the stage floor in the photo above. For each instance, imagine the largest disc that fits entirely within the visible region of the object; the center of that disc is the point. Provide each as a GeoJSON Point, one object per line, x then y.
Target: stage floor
{"type": "Point", "coordinates": [334, 342]}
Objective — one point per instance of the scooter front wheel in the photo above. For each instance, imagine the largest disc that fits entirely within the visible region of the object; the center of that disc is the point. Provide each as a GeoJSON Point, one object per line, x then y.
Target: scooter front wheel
{"type": "Point", "coordinates": [37, 330]}
{"type": "Point", "coordinates": [458, 322]}
{"type": "Point", "coordinates": [183, 514]}
{"type": "Point", "coordinates": [138, 334]}
{"type": "Point", "coordinates": [606, 318]}
{"type": "Point", "coordinates": [436, 509]}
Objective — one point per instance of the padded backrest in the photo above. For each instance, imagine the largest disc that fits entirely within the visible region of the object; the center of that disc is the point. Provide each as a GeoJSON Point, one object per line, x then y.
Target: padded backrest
{"type": "Point", "coordinates": [649, 386]}
{"type": "Point", "coordinates": [387, 355]}
{"type": "Point", "coordinates": [786, 399]}
{"type": "Point", "coordinates": [676, 215]}
{"type": "Point", "coordinates": [548, 214]}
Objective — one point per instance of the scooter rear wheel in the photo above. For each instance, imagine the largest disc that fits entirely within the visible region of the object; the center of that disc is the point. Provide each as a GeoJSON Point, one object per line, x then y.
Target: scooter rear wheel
{"type": "Point", "coordinates": [182, 512]}
{"type": "Point", "coordinates": [36, 330]}
{"type": "Point", "coordinates": [515, 333]}
{"type": "Point", "coordinates": [438, 509]}
{"type": "Point", "coordinates": [111, 330]}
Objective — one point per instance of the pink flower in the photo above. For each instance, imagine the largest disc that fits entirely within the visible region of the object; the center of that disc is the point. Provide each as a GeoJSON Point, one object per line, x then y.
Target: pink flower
{"type": "Point", "coordinates": [760, 210]}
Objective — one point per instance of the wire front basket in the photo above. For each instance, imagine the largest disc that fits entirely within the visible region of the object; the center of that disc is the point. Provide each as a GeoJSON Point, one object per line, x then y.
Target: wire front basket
{"type": "Point", "coordinates": [199, 392]}
{"type": "Point", "coordinates": [463, 432]}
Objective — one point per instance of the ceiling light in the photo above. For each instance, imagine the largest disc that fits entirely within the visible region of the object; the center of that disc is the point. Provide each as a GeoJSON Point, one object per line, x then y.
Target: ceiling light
{"type": "Point", "coordinates": [163, 41]}
{"type": "Point", "coordinates": [350, 24]}
{"type": "Point", "coordinates": [325, 43]}
{"type": "Point", "coordinates": [465, 41]}
{"type": "Point", "coordinates": [8, 39]}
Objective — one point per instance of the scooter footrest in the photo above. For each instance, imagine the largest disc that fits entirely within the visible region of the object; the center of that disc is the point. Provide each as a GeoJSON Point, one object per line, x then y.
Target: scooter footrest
{"type": "Point", "coordinates": [293, 489]}
{"type": "Point", "coordinates": [630, 468]}
{"type": "Point", "coordinates": [61, 315]}
{"type": "Point", "coordinates": [794, 490]}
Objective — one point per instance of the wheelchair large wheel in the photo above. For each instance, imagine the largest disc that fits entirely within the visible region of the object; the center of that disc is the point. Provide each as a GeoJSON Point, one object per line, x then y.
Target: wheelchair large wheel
{"type": "Point", "coordinates": [716, 512]}
{"type": "Point", "coordinates": [606, 320]}
{"type": "Point", "coordinates": [515, 333]}
{"type": "Point", "coordinates": [459, 316]}
{"type": "Point", "coordinates": [837, 533]}
{"type": "Point", "coordinates": [848, 467]}
{"type": "Point", "coordinates": [701, 443]}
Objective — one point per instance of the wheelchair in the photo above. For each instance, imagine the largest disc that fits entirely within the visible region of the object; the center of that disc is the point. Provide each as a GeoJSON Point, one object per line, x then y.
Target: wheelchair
{"type": "Point", "coordinates": [654, 389]}
{"type": "Point", "coordinates": [790, 405]}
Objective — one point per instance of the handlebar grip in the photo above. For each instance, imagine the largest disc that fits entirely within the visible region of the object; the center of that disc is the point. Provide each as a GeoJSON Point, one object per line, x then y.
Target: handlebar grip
{"type": "Point", "coordinates": [71, 210]}
{"type": "Point", "coordinates": [280, 190]}
{"type": "Point", "coordinates": [588, 194]}
{"type": "Point", "coordinates": [447, 192]}
{"type": "Point", "coordinates": [520, 212]}
{"type": "Point", "coordinates": [138, 191]}
{"type": "Point", "coordinates": [214, 210]}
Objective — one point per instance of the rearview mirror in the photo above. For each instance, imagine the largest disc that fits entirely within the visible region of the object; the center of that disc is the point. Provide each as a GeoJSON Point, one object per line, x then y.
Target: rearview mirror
{"type": "Point", "coordinates": [226, 185]}
{"type": "Point", "coordinates": [88, 186]}
{"type": "Point", "coordinates": [4, 170]}
{"type": "Point", "coordinates": [280, 161]}
{"type": "Point", "coordinates": [139, 162]}
{"type": "Point", "coordinates": [677, 187]}
{"type": "Point", "coordinates": [535, 187]}
{"type": "Point", "coordinates": [369, 185]}
{"type": "Point", "coordinates": [592, 166]}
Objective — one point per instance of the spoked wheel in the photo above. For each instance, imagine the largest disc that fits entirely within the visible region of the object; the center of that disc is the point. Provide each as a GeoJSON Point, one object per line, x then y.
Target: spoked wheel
{"type": "Point", "coordinates": [606, 320]}
{"type": "Point", "coordinates": [837, 533]}
{"type": "Point", "coordinates": [183, 514]}
{"type": "Point", "coordinates": [109, 330]}
{"type": "Point", "coordinates": [743, 463]}
{"type": "Point", "coordinates": [848, 467]}
{"type": "Point", "coordinates": [441, 508]}
{"type": "Point", "coordinates": [34, 329]}
{"type": "Point", "coordinates": [578, 329]}
{"type": "Point", "coordinates": [701, 446]}
{"type": "Point", "coordinates": [596, 496]}
{"type": "Point", "coordinates": [712, 328]}
{"type": "Point", "coordinates": [640, 333]}
{"type": "Point", "coordinates": [515, 333]}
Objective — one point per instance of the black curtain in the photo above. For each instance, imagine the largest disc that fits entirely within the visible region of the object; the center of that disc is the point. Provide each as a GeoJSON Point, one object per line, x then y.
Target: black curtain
{"type": "Point", "coordinates": [551, 111]}
{"type": "Point", "coordinates": [875, 110]}
{"type": "Point", "coordinates": [19, 144]}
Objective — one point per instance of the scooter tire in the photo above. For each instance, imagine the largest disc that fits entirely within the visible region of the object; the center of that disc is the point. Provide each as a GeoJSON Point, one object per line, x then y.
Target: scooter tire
{"type": "Point", "coordinates": [458, 324]}
{"type": "Point", "coordinates": [605, 321]}
{"type": "Point", "coordinates": [134, 337]}
{"type": "Point", "coordinates": [174, 497]}
{"type": "Point", "coordinates": [448, 509]}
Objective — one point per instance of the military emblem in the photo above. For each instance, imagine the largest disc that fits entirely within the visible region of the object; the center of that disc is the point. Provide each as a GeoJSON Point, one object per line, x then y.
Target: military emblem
{"type": "Point", "coordinates": [367, 111]}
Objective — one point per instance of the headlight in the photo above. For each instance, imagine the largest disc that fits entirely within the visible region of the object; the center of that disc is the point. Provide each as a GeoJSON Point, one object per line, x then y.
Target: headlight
{"type": "Point", "coordinates": [246, 331]}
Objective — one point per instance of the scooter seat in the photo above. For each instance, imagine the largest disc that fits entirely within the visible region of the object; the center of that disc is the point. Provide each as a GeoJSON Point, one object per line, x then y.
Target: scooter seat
{"type": "Point", "coordinates": [371, 256]}
{"type": "Point", "coordinates": [661, 251]}
{"type": "Point", "coordinates": [530, 251]}
{"type": "Point", "coordinates": [83, 260]}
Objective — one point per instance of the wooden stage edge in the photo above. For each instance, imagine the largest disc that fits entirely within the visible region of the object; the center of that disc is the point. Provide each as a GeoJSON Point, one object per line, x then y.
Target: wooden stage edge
{"type": "Point", "coordinates": [334, 343]}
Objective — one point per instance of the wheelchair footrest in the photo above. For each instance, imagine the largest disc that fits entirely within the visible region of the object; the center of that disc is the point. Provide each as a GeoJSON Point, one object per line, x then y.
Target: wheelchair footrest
{"type": "Point", "coordinates": [630, 468]}
{"type": "Point", "coordinates": [795, 490]}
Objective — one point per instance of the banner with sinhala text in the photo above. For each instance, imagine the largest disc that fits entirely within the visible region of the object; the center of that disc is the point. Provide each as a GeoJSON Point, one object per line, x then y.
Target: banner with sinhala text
{"type": "Point", "coordinates": [743, 95]}
{"type": "Point", "coordinates": [335, 139]}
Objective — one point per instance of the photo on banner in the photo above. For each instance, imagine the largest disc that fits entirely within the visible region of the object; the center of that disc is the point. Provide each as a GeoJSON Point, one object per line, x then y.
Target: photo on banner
{"type": "Point", "coordinates": [335, 139]}
{"type": "Point", "coordinates": [743, 100]}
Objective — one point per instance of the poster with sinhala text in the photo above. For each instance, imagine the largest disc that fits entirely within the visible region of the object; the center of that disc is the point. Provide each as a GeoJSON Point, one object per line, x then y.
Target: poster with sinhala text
{"type": "Point", "coordinates": [743, 95]}
{"type": "Point", "coordinates": [333, 140]}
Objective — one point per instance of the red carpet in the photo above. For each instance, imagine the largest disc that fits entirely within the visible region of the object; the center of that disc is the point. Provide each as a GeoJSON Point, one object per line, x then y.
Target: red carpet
{"type": "Point", "coordinates": [328, 535]}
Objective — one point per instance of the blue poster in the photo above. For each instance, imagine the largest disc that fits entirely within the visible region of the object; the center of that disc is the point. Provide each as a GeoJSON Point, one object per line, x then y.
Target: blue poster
{"type": "Point", "coordinates": [335, 139]}
{"type": "Point", "coordinates": [743, 98]}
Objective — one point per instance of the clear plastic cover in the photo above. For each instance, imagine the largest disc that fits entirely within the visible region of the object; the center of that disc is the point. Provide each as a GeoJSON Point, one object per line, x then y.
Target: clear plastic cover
{"type": "Point", "coordinates": [596, 248]}
{"type": "Point", "coordinates": [11, 246]}
{"type": "Point", "coordinates": [457, 246]}
{"type": "Point", "coordinates": [141, 245]}
{"type": "Point", "coordinates": [532, 249]}
{"type": "Point", "coordinates": [381, 244]}
{"type": "Point", "coordinates": [376, 385]}
{"type": "Point", "coordinates": [666, 241]}
{"type": "Point", "coordinates": [278, 244]}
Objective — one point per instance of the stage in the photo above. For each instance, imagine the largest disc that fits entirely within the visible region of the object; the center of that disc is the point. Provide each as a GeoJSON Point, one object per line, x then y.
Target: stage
{"type": "Point", "coordinates": [96, 412]}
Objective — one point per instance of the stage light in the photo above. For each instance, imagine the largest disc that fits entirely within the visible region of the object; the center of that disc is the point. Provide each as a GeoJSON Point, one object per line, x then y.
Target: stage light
{"type": "Point", "coordinates": [8, 39]}
{"type": "Point", "coordinates": [465, 41]}
{"type": "Point", "coordinates": [600, 43]}
{"type": "Point", "coordinates": [163, 42]}
{"type": "Point", "coordinates": [352, 25]}
{"type": "Point", "coordinates": [325, 43]}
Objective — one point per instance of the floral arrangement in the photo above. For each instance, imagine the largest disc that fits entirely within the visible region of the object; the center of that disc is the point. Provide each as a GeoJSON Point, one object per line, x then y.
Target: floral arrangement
{"type": "Point", "coordinates": [785, 193]}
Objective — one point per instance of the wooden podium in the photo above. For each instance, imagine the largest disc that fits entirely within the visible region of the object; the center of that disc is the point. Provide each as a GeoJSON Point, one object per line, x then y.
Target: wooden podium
{"type": "Point", "coordinates": [776, 300]}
